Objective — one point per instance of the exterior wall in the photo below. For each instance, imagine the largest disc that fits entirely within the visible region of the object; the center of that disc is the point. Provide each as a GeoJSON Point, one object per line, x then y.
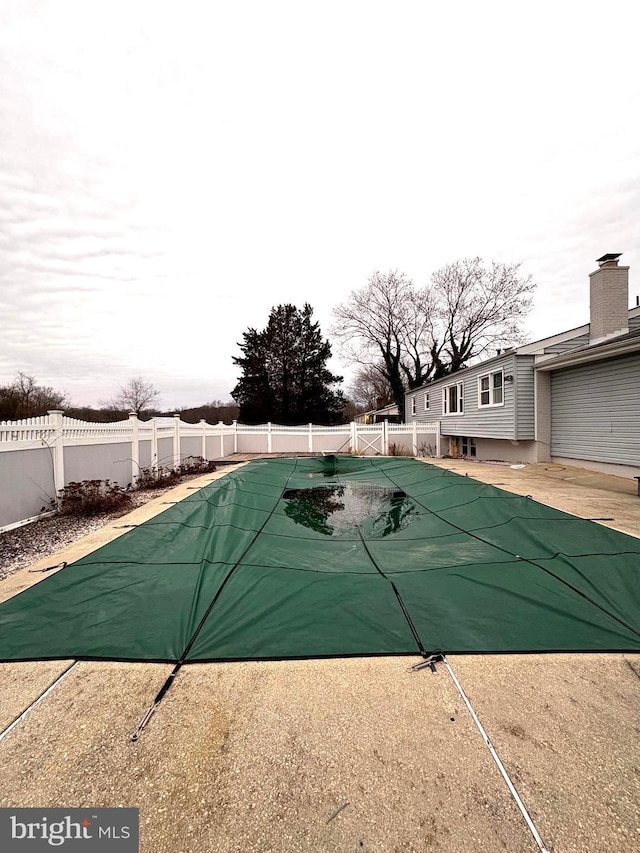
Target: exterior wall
{"type": "Point", "coordinates": [493, 449]}
{"type": "Point", "coordinates": [492, 422]}
{"type": "Point", "coordinates": [506, 451]}
{"type": "Point", "coordinates": [543, 414]}
{"type": "Point", "coordinates": [423, 415]}
{"type": "Point", "coordinates": [27, 484]}
{"type": "Point", "coordinates": [565, 346]}
{"type": "Point", "coordinates": [524, 397]}
{"type": "Point", "coordinates": [626, 471]}
{"type": "Point", "coordinates": [595, 412]}
{"type": "Point", "coordinates": [376, 415]}
{"type": "Point", "coordinates": [609, 295]}
{"type": "Point", "coordinates": [98, 462]}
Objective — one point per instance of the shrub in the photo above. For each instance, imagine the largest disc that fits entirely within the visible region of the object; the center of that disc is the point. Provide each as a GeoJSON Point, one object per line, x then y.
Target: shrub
{"type": "Point", "coordinates": [426, 449]}
{"type": "Point", "coordinates": [92, 496]}
{"type": "Point", "coordinates": [196, 465]}
{"type": "Point", "coordinates": [155, 478]}
{"type": "Point", "coordinates": [398, 450]}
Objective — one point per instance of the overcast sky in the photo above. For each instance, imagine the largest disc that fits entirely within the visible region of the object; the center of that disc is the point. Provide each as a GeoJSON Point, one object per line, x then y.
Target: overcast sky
{"type": "Point", "coordinates": [170, 171]}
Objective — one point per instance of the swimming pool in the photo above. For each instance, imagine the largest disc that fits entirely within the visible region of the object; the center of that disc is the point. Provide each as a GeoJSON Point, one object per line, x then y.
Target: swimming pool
{"type": "Point", "coordinates": [337, 556]}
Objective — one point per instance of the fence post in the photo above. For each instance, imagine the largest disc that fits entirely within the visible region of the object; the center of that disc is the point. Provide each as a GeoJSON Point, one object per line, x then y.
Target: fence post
{"type": "Point", "coordinates": [269, 442]}
{"type": "Point", "coordinates": [55, 416]}
{"type": "Point", "coordinates": [385, 439]}
{"type": "Point", "coordinates": [235, 436]}
{"type": "Point", "coordinates": [154, 444]}
{"type": "Point", "coordinates": [221, 427]}
{"type": "Point", "coordinates": [310, 438]}
{"type": "Point", "coordinates": [354, 437]}
{"type": "Point", "coordinates": [135, 447]}
{"type": "Point", "coordinates": [204, 438]}
{"type": "Point", "coordinates": [415, 438]}
{"type": "Point", "coordinates": [176, 440]}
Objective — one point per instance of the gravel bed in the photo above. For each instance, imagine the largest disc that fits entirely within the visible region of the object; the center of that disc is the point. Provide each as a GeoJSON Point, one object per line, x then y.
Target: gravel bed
{"type": "Point", "coordinates": [22, 546]}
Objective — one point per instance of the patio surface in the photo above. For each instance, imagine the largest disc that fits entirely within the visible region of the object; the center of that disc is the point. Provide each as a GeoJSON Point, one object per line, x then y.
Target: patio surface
{"type": "Point", "coordinates": [260, 756]}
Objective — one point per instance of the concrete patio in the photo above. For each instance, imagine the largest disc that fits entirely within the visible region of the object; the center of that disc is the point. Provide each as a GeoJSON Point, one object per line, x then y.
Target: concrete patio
{"type": "Point", "coordinates": [344, 755]}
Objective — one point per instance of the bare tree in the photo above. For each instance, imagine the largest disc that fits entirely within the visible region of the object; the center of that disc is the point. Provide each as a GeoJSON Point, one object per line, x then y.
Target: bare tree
{"type": "Point", "coordinates": [370, 388]}
{"type": "Point", "coordinates": [373, 324]}
{"type": "Point", "coordinates": [478, 306]}
{"type": "Point", "coordinates": [351, 409]}
{"type": "Point", "coordinates": [414, 335]}
{"type": "Point", "coordinates": [135, 396]}
{"type": "Point", "coordinates": [24, 398]}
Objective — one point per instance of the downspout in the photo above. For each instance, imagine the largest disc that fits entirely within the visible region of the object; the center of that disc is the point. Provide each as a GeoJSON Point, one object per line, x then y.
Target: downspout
{"type": "Point", "coordinates": [514, 373]}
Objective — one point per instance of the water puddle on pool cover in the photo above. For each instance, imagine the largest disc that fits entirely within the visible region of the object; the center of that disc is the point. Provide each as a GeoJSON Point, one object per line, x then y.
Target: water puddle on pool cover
{"type": "Point", "coordinates": [341, 509]}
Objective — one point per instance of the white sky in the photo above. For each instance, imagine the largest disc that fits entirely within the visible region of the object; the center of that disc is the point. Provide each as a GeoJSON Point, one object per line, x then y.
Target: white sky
{"type": "Point", "coordinates": [170, 171]}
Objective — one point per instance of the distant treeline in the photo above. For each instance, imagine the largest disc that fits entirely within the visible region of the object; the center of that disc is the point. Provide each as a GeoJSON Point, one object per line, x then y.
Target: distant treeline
{"type": "Point", "coordinates": [211, 412]}
{"type": "Point", "coordinates": [25, 398]}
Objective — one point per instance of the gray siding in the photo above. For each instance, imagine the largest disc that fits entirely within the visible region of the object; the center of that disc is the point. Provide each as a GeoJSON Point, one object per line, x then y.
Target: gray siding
{"type": "Point", "coordinates": [493, 422]}
{"type": "Point", "coordinates": [423, 415]}
{"type": "Point", "coordinates": [565, 346]}
{"type": "Point", "coordinates": [583, 340]}
{"type": "Point", "coordinates": [595, 411]}
{"type": "Point", "coordinates": [525, 399]}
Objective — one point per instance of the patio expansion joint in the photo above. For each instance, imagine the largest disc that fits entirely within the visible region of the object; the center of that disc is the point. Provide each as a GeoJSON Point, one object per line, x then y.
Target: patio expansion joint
{"type": "Point", "coordinates": [503, 772]}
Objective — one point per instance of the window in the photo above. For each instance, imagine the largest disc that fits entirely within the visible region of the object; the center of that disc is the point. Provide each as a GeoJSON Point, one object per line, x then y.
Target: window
{"type": "Point", "coordinates": [426, 401]}
{"type": "Point", "coordinates": [452, 402]}
{"type": "Point", "coordinates": [468, 447]}
{"type": "Point", "coordinates": [413, 405]}
{"type": "Point", "coordinates": [490, 389]}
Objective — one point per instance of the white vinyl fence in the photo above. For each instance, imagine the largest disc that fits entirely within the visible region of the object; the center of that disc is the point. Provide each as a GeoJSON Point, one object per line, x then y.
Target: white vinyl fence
{"type": "Point", "coordinates": [39, 456]}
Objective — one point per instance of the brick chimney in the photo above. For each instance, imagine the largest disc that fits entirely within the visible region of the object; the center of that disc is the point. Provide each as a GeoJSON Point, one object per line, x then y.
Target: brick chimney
{"type": "Point", "coordinates": [609, 298]}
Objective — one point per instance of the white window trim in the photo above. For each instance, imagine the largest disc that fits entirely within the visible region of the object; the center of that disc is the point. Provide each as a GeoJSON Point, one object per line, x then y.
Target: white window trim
{"type": "Point", "coordinates": [413, 405]}
{"type": "Point", "coordinates": [445, 400]}
{"type": "Point", "coordinates": [489, 376]}
{"type": "Point", "coordinates": [426, 401]}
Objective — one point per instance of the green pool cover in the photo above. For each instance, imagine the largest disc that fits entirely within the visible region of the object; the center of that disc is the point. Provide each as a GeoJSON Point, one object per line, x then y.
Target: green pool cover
{"type": "Point", "coordinates": [337, 556]}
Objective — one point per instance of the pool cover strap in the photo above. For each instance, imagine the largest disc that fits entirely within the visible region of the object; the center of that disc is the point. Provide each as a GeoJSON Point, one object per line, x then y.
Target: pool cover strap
{"type": "Point", "coordinates": [393, 586]}
{"type": "Point", "coordinates": [171, 677]}
{"type": "Point", "coordinates": [361, 556]}
{"type": "Point", "coordinates": [560, 579]}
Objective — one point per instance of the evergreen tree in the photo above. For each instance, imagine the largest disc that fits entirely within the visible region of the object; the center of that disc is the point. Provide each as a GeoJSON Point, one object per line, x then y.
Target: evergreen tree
{"type": "Point", "coordinates": [284, 374]}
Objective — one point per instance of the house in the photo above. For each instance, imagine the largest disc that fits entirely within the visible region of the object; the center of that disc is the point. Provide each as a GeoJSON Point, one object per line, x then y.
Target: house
{"type": "Point", "coordinates": [572, 397]}
{"type": "Point", "coordinates": [389, 413]}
